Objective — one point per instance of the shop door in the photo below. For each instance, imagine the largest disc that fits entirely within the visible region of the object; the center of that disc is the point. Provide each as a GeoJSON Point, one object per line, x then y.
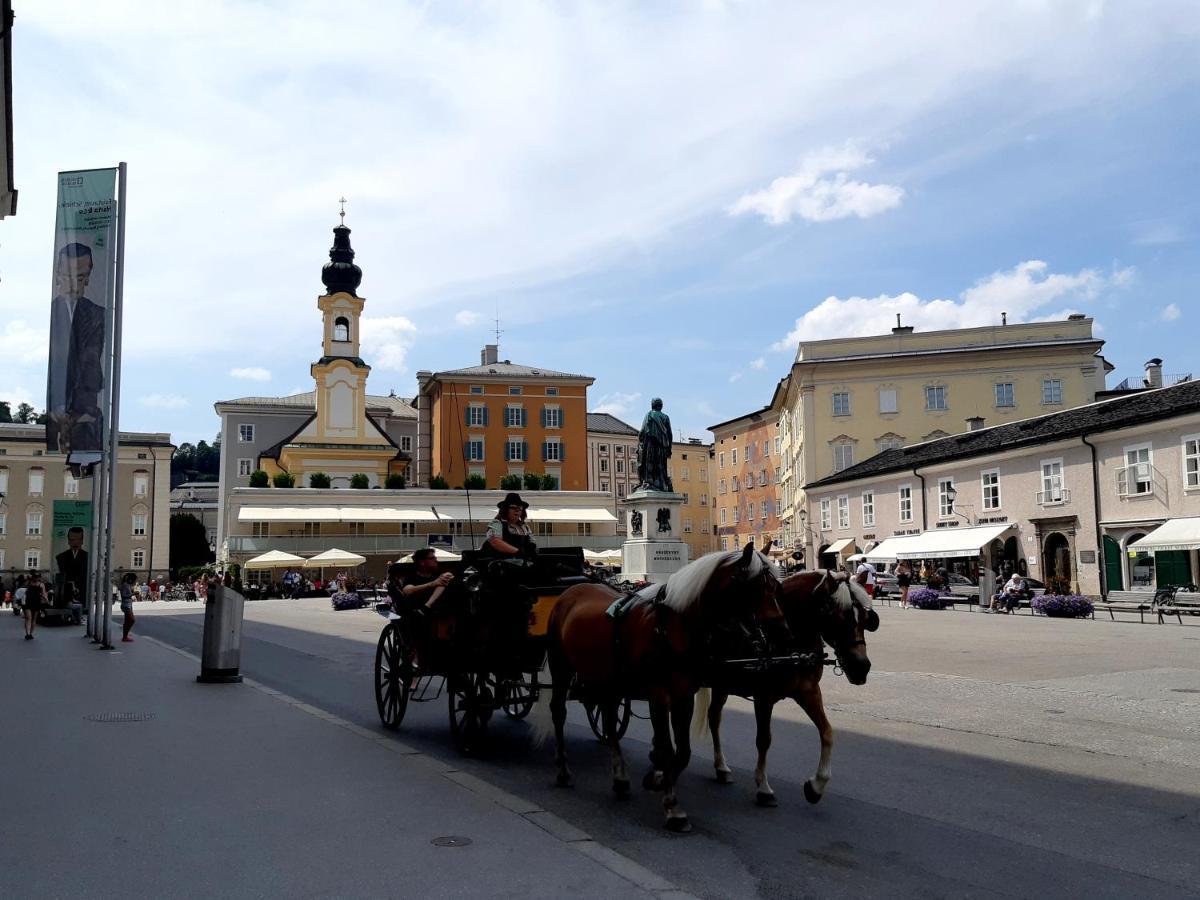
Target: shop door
{"type": "Point", "coordinates": [1112, 564]}
{"type": "Point", "coordinates": [1171, 568]}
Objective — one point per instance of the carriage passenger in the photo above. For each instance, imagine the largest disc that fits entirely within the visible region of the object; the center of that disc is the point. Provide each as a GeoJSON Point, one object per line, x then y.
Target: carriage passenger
{"type": "Point", "coordinates": [421, 590]}
{"type": "Point", "coordinates": [508, 536]}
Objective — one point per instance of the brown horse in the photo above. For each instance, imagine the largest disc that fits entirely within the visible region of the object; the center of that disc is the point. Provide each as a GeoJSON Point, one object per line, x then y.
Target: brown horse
{"type": "Point", "coordinates": [820, 608]}
{"type": "Point", "coordinates": [657, 651]}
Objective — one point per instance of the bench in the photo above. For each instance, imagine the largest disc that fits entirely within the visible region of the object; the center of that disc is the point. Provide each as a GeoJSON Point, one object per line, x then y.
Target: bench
{"type": "Point", "coordinates": [1115, 606]}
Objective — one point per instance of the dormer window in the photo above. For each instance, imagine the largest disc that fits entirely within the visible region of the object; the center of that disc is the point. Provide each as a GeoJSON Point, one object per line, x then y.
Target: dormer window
{"type": "Point", "coordinates": [341, 329]}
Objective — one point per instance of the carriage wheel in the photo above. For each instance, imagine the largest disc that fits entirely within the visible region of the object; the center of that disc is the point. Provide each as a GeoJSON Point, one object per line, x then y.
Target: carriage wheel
{"type": "Point", "coordinates": [393, 670]}
{"type": "Point", "coordinates": [596, 720]}
{"type": "Point", "coordinates": [469, 713]}
{"type": "Point", "coordinates": [520, 693]}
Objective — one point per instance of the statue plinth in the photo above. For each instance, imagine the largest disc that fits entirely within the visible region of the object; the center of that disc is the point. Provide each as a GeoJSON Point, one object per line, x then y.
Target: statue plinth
{"type": "Point", "coordinates": [653, 546]}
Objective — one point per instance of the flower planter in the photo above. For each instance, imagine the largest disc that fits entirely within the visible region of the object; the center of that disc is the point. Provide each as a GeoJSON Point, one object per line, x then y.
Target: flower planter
{"type": "Point", "coordinates": [927, 598]}
{"type": "Point", "coordinates": [1064, 606]}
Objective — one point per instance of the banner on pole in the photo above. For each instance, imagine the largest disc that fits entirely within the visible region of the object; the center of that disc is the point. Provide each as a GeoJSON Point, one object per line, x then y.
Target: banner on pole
{"type": "Point", "coordinates": [80, 310]}
{"type": "Point", "coordinates": [68, 543]}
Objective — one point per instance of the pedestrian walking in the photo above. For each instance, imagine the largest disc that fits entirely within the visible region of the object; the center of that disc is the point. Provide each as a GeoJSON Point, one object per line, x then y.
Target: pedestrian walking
{"type": "Point", "coordinates": [127, 606]}
{"type": "Point", "coordinates": [904, 581]}
{"type": "Point", "coordinates": [35, 599]}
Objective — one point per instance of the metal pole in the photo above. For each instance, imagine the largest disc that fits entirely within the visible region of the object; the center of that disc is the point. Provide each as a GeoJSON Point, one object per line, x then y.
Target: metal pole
{"type": "Point", "coordinates": [114, 441]}
{"type": "Point", "coordinates": [94, 550]}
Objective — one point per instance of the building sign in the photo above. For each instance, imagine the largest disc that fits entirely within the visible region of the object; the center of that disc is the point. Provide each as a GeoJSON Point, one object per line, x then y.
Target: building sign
{"type": "Point", "coordinates": [80, 308]}
{"type": "Point", "coordinates": [442, 541]}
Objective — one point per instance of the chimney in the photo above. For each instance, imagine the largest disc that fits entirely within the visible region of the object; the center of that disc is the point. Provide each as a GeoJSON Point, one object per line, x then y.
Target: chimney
{"type": "Point", "coordinates": [901, 329]}
{"type": "Point", "coordinates": [488, 355]}
{"type": "Point", "coordinates": [1154, 373]}
{"type": "Point", "coordinates": [975, 422]}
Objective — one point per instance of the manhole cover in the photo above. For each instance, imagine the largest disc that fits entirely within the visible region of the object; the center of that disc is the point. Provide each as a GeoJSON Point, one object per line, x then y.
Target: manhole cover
{"type": "Point", "coordinates": [451, 840]}
{"type": "Point", "coordinates": [1186, 690]}
{"type": "Point", "coordinates": [120, 717]}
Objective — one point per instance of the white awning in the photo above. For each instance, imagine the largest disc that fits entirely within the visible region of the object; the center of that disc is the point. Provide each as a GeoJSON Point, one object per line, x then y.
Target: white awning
{"type": "Point", "coordinates": [570, 514]}
{"type": "Point", "coordinates": [886, 550]}
{"type": "Point", "coordinates": [841, 546]}
{"type": "Point", "coordinates": [274, 559]}
{"type": "Point", "coordinates": [335, 557]}
{"type": "Point", "coordinates": [944, 543]}
{"type": "Point", "coordinates": [335, 514]}
{"type": "Point", "coordinates": [1173, 534]}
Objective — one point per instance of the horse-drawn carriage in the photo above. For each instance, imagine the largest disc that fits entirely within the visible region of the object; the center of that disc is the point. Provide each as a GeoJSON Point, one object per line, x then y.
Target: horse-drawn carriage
{"type": "Point", "coordinates": [484, 645]}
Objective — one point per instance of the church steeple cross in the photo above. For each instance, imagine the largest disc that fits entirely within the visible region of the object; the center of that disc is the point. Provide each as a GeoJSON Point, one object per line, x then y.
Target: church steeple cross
{"type": "Point", "coordinates": [342, 201]}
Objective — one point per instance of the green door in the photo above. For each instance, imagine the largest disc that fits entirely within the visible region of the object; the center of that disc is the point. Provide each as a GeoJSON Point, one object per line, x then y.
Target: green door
{"type": "Point", "coordinates": [1171, 568]}
{"type": "Point", "coordinates": [1112, 564]}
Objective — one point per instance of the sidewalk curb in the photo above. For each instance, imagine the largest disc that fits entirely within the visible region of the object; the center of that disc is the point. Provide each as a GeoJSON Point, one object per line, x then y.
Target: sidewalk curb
{"type": "Point", "coordinates": [620, 865]}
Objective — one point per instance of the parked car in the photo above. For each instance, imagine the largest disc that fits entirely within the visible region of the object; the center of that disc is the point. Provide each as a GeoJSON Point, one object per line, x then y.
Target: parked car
{"type": "Point", "coordinates": [885, 585]}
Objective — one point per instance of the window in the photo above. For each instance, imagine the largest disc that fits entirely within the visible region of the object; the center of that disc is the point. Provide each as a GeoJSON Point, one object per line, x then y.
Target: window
{"type": "Point", "coordinates": [406, 443]}
{"type": "Point", "coordinates": [889, 442]}
{"type": "Point", "coordinates": [620, 467]}
{"type": "Point", "coordinates": [70, 486]}
{"type": "Point", "coordinates": [733, 483]}
{"type": "Point", "coordinates": [138, 558]}
{"type": "Point", "coordinates": [750, 511]}
{"type": "Point", "coordinates": [456, 528]}
{"type": "Point", "coordinates": [619, 450]}
{"type": "Point", "coordinates": [686, 495]}
{"type": "Point", "coordinates": [1191, 462]}
{"type": "Point", "coordinates": [139, 524]}
{"type": "Point", "coordinates": [603, 465]}
{"type": "Point", "coordinates": [721, 489]}
{"type": "Point", "coordinates": [33, 522]}
{"type": "Point", "coordinates": [704, 499]}
{"type": "Point", "coordinates": [843, 456]}
{"type": "Point", "coordinates": [991, 488]}
{"type": "Point", "coordinates": [477, 416]}
{"type": "Point", "coordinates": [477, 389]}
{"type": "Point", "coordinates": [3, 526]}
{"type": "Point", "coordinates": [724, 543]}
{"type": "Point", "coordinates": [260, 529]}
{"type": "Point", "coordinates": [721, 460]}
{"type": "Point", "coordinates": [1004, 394]}
{"type": "Point", "coordinates": [735, 515]}
{"type": "Point", "coordinates": [777, 445]}
{"type": "Point", "coordinates": [687, 526]}
{"type": "Point", "coordinates": [620, 489]}
{"type": "Point", "coordinates": [841, 403]}
{"type": "Point", "coordinates": [515, 390]}
{"type": "Point", "coordinates": [1052, 481]}
{"type": "Point", "coordinates": [312, 529]}
{"type": "Point", "coordinates": [604, 485]}
{"type": "Point", "coordinates": [553, 450]}
{"type": "Point", "coordinates": [868, 509]}
{"type": "Point", "coordinates": [341, 329]}
{"type": "Point", "coordinates": [887, 400]}
{"type": "Point", "coordinates": [946, 498]}
{"type": "Point", "coordinates": [603, 448]}
{"type": "Point", "coordinates": [408, 529]}
{"type": "Point", "coordinates": [683, 473]}
{"type": "Point", "coordinates": [1051, 391]}
{"type": "Point", "coordinates": [514, 416]}
{"type": "Point", "coordinates": [246, 434]}
{"type": "Point", "coordinates": [37, 482]}
{"type": "Point", "coordinates": [722, 515]}
{"type": "Point", "coordinates": [551, 392]}
{"type": "Point", "coordinates": [843, 511]}
{"type": "Point", "coordinates": [544, 529]}
{"type": "Point", "coordinates": [766, 448]}
{"type": "Point", "coordinates": [552, 417]}
{"type": "Point", "coordinates": [475, 450]}
{"type": "Point", "coordinates": [1, 557]}
{"type": "Point", "coordinates": [777, 470]}
{"type": "Point", "coordinates": [514, 450]}
{"type": "Point", "coordinates": [33, 559]}
{"type": "Point", "coordinates": [935, 397]}
{"type": "Point", "coordinates": [826, 514]}
{"type": "Point", "coordinates": [906, 506]}
{"type": "Point", "coordinates": [1138, 479]}
{"type": "Point", "coordinates": [3, 480]}
{"type": "Point", "coordinates": [245, 467]}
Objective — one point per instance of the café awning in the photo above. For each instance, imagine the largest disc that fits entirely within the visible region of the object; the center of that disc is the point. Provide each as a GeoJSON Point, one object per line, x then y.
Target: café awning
{"type": "Point", "coordinates": [840, 547]}
{"type": "Point", "coordinates": [886, 550]}
{"type": "Point", "coordinates": [274, 559]}
{"type": "Point", "coordinates": [336, 514]}
{"type": "Point", "coordinates": [946, 543]}
{"type": "Point", "coordinates": [1173, 534]}
{"type": "Point", "coordinates": [335, 557]}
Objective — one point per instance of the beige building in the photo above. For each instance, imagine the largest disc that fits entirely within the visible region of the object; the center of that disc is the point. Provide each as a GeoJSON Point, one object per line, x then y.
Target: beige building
{"type": "Point", "coordinates": [747, 452]}
{"type": "Point", "coordinates": [1106, 496]}
{"type": "Point", "coordinates": [612, 460]}
{"type": "Point", "coordinates": [689, 470]}
{"type": "Point", "coordinates": [847, 399]}
{"type": "Point", "coordinates": [32, 479]}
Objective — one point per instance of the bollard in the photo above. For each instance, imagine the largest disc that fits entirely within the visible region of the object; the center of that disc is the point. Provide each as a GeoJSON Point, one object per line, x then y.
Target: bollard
{"type": "Point", "coordinates": [221, 646]}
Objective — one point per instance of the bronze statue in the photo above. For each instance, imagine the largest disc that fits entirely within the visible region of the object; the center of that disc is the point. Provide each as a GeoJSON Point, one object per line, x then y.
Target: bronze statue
{"type": "Point", "coordinates": [654, 449]}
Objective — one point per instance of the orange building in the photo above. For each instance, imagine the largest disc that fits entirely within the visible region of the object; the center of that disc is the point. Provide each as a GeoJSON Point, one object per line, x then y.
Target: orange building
{"type": "Point", "coordinates": [745, 479]}
{"type": "Point", "coordinates": [500, 418]}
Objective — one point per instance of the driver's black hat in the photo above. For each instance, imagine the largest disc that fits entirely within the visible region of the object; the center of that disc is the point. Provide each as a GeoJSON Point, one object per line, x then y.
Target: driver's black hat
{"type": "Point", "coordinates": [512, 499]}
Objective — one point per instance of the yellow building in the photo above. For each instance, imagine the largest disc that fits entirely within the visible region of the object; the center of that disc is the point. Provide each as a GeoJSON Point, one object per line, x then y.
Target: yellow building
{"type": "Point", "coordinates": [746, 478]}
{"type": "Point", "coordinates": [849, 398]}
{"type": "Point", "coordinates": [689, 471]}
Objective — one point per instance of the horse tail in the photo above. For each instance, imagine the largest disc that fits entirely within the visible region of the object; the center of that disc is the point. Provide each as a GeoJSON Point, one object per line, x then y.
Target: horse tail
{"type": "Point", "coordinates": [541, 719]}
{"type": "Point", "coordinates": [700, 713]}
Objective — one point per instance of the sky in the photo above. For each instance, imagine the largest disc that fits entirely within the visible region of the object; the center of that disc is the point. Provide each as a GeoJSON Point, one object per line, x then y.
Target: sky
{"type": "Point", "coordinates": [665, 197]}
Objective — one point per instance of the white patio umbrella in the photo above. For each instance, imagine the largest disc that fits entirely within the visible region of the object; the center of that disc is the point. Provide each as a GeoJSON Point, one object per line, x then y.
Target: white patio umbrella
{"type": "Point", "coordinates": [439, 554]}
{"type": "Point", "coordinates": [595, 555]}
{"type": "Point", "coordinates": [334, 557]}
{"type": "Point", "coordinates": [274, 559]}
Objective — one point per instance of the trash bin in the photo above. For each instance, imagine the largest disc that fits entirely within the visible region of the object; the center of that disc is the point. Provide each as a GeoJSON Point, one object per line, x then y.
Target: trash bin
{"type": "Point", "coordinates": [221, 647]}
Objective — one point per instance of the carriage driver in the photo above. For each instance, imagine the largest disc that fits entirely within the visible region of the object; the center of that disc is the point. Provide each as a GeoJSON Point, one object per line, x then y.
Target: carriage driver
{"type": "Point", "coordinates": [508, 536]}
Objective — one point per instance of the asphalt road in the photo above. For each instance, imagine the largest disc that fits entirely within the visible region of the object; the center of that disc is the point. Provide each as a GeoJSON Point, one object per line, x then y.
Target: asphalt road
{"type": "Point", "coordinates": [987, 756]}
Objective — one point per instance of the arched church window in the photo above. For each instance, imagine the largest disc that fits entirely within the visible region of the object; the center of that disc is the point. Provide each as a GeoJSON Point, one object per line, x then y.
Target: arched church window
{"type": "Point", "coordinates": [341, 329]}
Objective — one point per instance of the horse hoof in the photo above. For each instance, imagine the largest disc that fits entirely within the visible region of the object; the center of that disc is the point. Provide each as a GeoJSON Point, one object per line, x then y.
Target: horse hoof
{"type": "Point", "coordinates": [653, 781]}
{"type": "Point", "coordinates": [679, 825]}
{"type": "Point", "coordinates": [765, 799]}
{"type": "Point", "coordinates": [563, 779]}
{"type": "Point", "coordinates": [621, 789]}
{"type": "Point", "coordinates": [810, 793]}
{"type": "Point", "coordinates": [724, 777]}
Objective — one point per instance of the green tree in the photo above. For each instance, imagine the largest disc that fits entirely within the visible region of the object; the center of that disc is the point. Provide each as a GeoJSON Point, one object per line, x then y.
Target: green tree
{"type": "Point", "coordinates": [510, 483]}
{"type": "Point", "coordinates": [26, 414]}
{"type": "Point", "coordinates": [318, 480]}
{"type": "Point", "coordinates": [475, 483]}
{"type": "Point", "coordinates": [549, 483]}
{"type": "Point", "coordinates": [43, 417]}
{"type": "Point", "coordinates": [394, 482]}
{"type": "Point", "coordinates": [5, 411]}
{"type": "Point", "coordinates": [438, 483]}
{"type": "Point", "coordinates": [189, 542]}
{"type": "Point", "coordinates": [258, 478]}
{"type": "Point", "coordinates": [283, 480]}
{"type": "Point", "coordinates": [533, 481]}
{"type": "Point", "coordinates": [359, 481]}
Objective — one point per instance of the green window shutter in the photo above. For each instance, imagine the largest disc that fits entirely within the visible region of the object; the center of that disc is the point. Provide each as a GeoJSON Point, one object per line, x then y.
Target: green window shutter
{"type": "Point", "coordinates": [544, 451]}
{"type": "Point", "coordinates": [467, 450]}
{"type": "Point", "coordinates": [507, 451]}
{"type": "Point", "coordinates": [524, 451]}
{"type": "Point", "coordinates": [562, 417]}
{"type": "Point", "coordinates": [524, 417]}
{"type": "Point", "coordinates": [485, 416]}
{"type": "Point", "coordinates": [543, 417]}
{"type": "Point", "coordinates": [562, 451]}
{"type": "Point", "coordinates": [468, 414]}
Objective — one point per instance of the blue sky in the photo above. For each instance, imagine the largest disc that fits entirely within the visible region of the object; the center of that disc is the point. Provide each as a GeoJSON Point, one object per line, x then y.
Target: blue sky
{"type": "Point", "coordinates": [665, 197]}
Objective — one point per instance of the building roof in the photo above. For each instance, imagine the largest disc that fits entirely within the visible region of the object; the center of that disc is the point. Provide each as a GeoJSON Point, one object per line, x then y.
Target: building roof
{"type": "Point", "coordinates": [754, 416]}
{"type": "Point", "coordinates": [18, 431]}
{"type": "Point", "coordinates": [942, 351]}
{"type": "Point", "coordinates": [605, 423]}
{"type": "Point", "coordinates": [506, 369]}
{"type": "Point", "coordinates": [1102, 416]}
{"type": "Point", "coordinates": [395, 407]}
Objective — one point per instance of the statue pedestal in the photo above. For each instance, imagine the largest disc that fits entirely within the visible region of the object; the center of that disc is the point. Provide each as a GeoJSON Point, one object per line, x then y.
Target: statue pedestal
{"type": "Point", "coordinates": [654, 548]}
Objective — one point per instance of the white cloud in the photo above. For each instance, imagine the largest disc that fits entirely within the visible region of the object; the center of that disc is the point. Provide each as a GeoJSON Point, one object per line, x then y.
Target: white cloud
{"type": "Point", "coordinates": [251, 373]}
{"type": "Point", "coordinates": [759, 363]}
{"type": "Point", "coordinates": [1023, 292]}
{"type": "Point", "coordinates": [387, 340]}
{"type": "Point", "coordinates": [1170, 313]}
{"type": "Point", "coordinates": [822, 191]}
{"type": "Point", "coordinates": [735, 377]}
{"type": "Point", "coordinates": [22, 343]}
{"type": "Point", "coordinates": [163, 401]}
{"type": "Point", "coordinates": [467, 317]}
{"type": "Point", "coordinates": [616, 404]}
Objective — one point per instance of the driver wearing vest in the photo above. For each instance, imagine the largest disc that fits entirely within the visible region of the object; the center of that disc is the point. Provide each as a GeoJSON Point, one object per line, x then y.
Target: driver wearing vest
{"type": "Point", "coordinates": [508, 536]}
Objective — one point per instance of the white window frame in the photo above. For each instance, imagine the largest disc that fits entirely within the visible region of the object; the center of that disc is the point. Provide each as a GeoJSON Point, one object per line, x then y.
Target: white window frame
{"type": "Point", "coordinates": [841, 404]}
{"type": "Point", "coordinates": [1052, 494]}
{"type": "Point", "coordinates": [750, 508]}
{"type": "Point", "coordinates": [517, 443]}
{"type": "Point", "coordinates": [826, 514]}
{"type": "Point", "coordinates": [246, 433]}
{"type": "Point", "coordinates": [245, 468]}
{"type": "Point", "coordinates": [3, 479]}
{"type": "Point", "coordinates": [733, 457]}
{"type": "Point", "coordinates": [904, 502]}
{"type": "Point", "coordinates": [406, 443]}
{"type": "Point", "coordinates": [37, 482]}
{"type": "Point", "coordinates": [476, 415]}
{"type": "Point", "coordinates": [1149, 464]}
{"type": "Point", "coordinates": [868, 509]}
{"type": "Point", "coordinates": [1012, 394]}
{"type": "Point", "coordinates": [554, 416]}
{"type": "Point", "coordinates": [1191, 477]}
{"type": "Point", "coordinates": [945, 504]}
{"type": "Point", "coordinates": [139, 522]}
{"type": "Point", "coordinates": [721, 460]}
{"type": "Point", "coordinates": [1052, 394]}
{"type": "Point", "coordinates": [473, 444]}
{"type": "Point", "coordinates": [70, 485]}
{"type": "Point", "coordinates": [553, 450]}
{"type": "Point", "coordinates": [722, 515]}
{"type": "Point", "coordinates": [512, 415]}
{"type": "Point", "coordinates": [137, 558]}
{"type": "Point", "coordinates": [33, 558]}
{"type": "Point", "coordinates": [687, 526]}
{"type": "Point", "coordinates": [35, 520]}
{"type": "Point", "coordinates": [843, 509]}
{"type": "Point", "coordinates": [3, 525]}
{"type": "Point", "coordinates": [935, 398]}
{"type": "Point", "coordinates": [993, 485]}
{"type": "Point", "coordinates": [895, 400]}
{"type": "Point", "coordinates": [840, 451]}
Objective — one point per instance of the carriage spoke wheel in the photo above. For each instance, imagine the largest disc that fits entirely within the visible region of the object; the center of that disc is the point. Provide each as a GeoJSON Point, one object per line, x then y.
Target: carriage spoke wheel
{"type": "Point", "coordinates": [520, 693]}
{"type": "Point", "coordinates": [596, 720]}
{"type": "Point", "coordinates": [393, 670]}
{"type": "Point", "coordinates": [469, 713]}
